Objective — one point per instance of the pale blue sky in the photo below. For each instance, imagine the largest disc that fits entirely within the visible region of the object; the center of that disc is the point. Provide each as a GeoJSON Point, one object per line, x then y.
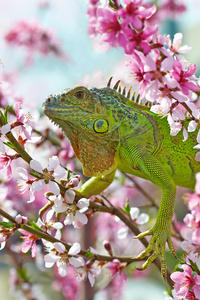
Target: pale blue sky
{"type": "Point", "coordinates": [69, 19]}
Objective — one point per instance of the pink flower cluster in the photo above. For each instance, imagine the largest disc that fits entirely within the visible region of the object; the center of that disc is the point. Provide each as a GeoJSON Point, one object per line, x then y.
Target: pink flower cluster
{"type": "Point", "coordinates": [158, 67]}
{"type": "Point", "coordinates": [123, 26]}
{"type": "Point", "coordinates": [34, 38]}
{"type": "Point", "coordinates": [187, 283]}
{"type": "Point", "coordinates": [186, 286]}
{"type": "Point", "coordinates": [57, 254]}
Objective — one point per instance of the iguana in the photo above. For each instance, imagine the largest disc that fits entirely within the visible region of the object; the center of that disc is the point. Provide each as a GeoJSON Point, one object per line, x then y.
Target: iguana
{"type": "Point", "coordinates": [109, 131]}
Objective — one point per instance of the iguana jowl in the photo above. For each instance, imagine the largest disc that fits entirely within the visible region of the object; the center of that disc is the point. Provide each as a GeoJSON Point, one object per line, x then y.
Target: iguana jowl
{"type": "Point", "coordinates": [107, 131]}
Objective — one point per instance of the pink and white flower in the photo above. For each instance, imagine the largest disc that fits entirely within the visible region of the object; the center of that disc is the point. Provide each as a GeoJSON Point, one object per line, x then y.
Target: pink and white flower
{"type": "Point", "coordinates": [60, 256]}
{"type": "Point", "coordinates": [185, 283]}
{"type": "Point", "coordinates": [75, 211]}
{"type": "Point", "coordinates": [29, 242]}
{"type": "Point", "coordinates": [49, 174]}
{"type": "Point", "coordinates": [5, 161]}
{"type": "Point", "coordinates": [89, 269]}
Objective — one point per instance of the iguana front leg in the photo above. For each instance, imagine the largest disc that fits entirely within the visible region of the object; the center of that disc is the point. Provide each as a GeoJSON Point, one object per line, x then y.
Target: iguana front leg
{"type": "Point", "coordinates": [161, 231]}
{"type": "Point", "coordinates": [96, 185]}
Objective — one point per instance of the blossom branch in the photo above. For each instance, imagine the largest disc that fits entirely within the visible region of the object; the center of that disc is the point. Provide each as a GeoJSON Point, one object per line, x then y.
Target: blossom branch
{"type": "Point", "coordinates": [43, 235]}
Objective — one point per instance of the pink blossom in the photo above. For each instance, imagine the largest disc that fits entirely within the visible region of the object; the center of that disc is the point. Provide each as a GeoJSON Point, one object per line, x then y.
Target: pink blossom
{"type": "Point", "coordinates": [50, 224]}
{"type": "Point", "coordinates": [25, 184]}
{"type": "Point", "coordinates": [137, 67]}
{"type": "Point", "coordinates": [53, 170]}
{"type": "Point", "coordinates": [29, 242]}
{"type": "Point", "coordinates": [163, 108]}
{"type": "Point", "coordinates": [176, 46]}
{"type": "Point", "coordinates": [183, 77]}
{"type": "Point", "coordinates": [59, 255]}
{"type": "Point", "coordinates": [134, 13]}
{"type": "Point", "coordinates": [139, 40]}
{"type": "Point", "coordinates": [109, 27]}
{"type": "Point", "coordinates": [185, 283]}
{"type": "Point", "coordinates": [90, 269]}
{"type": "Point", "coordinates": [116, 268]}
{"type": "Point", "coordinates": [5, 161]}
{"type": "Point", "coordinates": [34, 38]}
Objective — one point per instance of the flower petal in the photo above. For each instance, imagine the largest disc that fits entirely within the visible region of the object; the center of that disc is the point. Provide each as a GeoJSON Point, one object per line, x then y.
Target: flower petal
{"type": "Point", "coordinates": [142, 219]}
{"type": "Point", "coordinates": [54, 188]}
{"type": "Point", "coordinates": [77, 262]}
{"type": "Point", "coordinates": [134, 213]}
{"type": "Point", "coordinates": [59, 247]}
{"type": "Point", "coordinates": [75, 249]}
{"type": "Point", "coordinates": [36, 165]}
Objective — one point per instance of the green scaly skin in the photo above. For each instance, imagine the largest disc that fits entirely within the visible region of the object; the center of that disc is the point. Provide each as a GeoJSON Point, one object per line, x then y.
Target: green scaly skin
{"type": "Point", "coordinates": [108, 131]}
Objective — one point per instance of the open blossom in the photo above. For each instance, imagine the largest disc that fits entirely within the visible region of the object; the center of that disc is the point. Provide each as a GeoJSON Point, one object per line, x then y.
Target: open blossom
{"type": "Point", "coordinates": [25, 184]}
{"type": "Point", "coordinates": [75, 211]}
{"type": "Point", "coordinates": [29, 242]}
{"type": "Point", "coordinates": [53, 170]}
{"type": "Point", "coordinates": [5, 161]}
{"type": "Point", "coordinates": [89, 269]}
{"type": "Point", "coordinates": [51, 224]}
{"type": "Point", "coordinates": [139, 40]}
{"type": "Point", "coordinates": [109, 26]}
{"type": "Point", "coordinates": [59, 255]}
{"type": "Point", "coordinates": [175, 46]}
{"type": "Point", "coordinates": [185, 283]}
{"type": "Point", "coordinates": [134, 13]}
{"type": "Point", "coordinates": [183, 77]}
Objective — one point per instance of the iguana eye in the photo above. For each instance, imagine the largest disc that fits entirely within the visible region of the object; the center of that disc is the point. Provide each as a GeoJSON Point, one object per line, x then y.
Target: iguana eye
{"type": "Point", "coordinates": [79, 94]}
{"type": "Point", "coordinates": [101, 126]}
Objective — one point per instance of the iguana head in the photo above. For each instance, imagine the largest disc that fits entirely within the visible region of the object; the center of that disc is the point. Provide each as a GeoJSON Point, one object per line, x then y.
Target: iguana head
{"type": "Point", "coordinates": [90, 118]}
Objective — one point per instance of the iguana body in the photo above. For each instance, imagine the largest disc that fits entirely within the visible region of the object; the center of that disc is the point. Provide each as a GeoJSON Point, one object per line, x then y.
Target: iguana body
{"type": "Point", "coordinates": [108, 131]}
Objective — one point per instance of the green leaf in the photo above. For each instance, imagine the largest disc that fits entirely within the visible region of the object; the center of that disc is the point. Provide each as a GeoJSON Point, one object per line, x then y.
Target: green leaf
{"type": "Point", "coordinates": [89, 254]}
{"type": "Point", "coordinates": [2, 118]}
{"type": "Point", "coordinates": [6, 224]}
{"type": "Point", "coordinates": [9, 144]}
{"type": "Point", "coordinates": [68, 174]}
{"type": "Point", "coordinates": [127, 207]}
{"type": "Point", "coordinates": [111, 4]}
{"type": "Point", "coordinates": [194, 266]}
{"type": "Point", "coordinates": [34, 174]}
{"type": "Point", "coordinates": [6, 113]}
{"type": "Point", "coordinates": [35, 226]}
{"type": "Point", "coordinates": [22, 274]}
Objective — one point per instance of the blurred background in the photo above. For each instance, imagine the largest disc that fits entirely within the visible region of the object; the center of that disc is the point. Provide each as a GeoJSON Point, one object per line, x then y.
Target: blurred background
{"type": "Point", "coordinates": [76, 59]}
{"type": "Point", "coordinates": [84, 57]}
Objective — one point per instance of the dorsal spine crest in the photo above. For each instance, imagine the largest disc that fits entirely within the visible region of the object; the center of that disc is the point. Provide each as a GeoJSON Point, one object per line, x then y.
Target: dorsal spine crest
{"type": "Point", "coordinates": [117, 88]}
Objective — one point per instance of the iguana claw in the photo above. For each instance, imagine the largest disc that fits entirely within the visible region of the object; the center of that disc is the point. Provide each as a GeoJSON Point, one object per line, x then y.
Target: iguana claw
{"type": "Point", "coordinates": [160, 235]}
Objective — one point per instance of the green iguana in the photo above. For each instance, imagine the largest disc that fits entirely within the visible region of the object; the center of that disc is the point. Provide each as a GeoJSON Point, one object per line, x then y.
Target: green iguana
{"type": "Point", "coordinates": [109, 131]}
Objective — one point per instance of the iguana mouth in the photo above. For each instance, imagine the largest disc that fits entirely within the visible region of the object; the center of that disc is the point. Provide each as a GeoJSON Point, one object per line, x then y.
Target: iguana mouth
{"type": "Point", "coordinates": [52, 110]}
